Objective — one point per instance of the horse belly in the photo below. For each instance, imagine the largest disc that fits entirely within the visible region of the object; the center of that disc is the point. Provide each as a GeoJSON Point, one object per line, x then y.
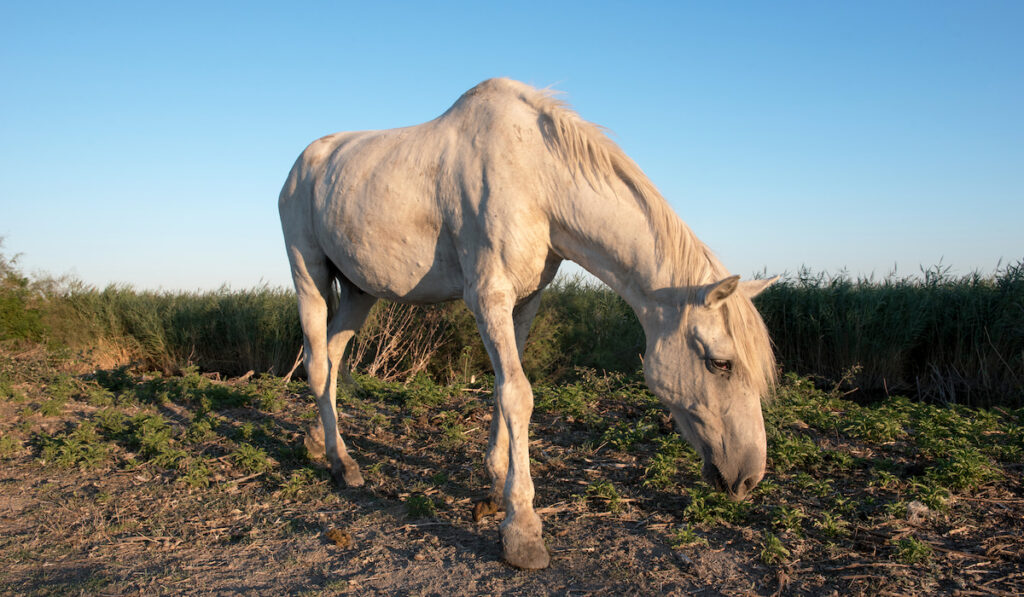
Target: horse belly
{"type": "Point", "coordinates": [399, 264]}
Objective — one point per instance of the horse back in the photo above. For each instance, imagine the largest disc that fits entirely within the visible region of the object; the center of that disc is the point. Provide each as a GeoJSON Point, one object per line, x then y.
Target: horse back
{"type": "Point", "coordinates": [407, 214]}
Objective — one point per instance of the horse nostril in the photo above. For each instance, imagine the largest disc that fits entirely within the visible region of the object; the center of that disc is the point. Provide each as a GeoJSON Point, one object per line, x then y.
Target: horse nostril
{"type": "Point", "coordinates": [713, 477]}
{"type": "Point", "coordinates": [742, 488]}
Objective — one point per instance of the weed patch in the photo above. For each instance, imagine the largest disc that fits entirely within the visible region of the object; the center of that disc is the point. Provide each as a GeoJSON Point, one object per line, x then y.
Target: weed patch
{"type": "Point", "coordinates": [773, 551]}
{"type": "Point", "coordinates": [81, 447]}
{"type": "Point", "coordinates": [910, 550]}
{"type": "Point", "coordinates": [420, 506]}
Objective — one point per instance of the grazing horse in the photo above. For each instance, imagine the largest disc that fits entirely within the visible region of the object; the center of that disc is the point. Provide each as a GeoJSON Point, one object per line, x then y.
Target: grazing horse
{"type": "Point", "coordinates": [483, 203]}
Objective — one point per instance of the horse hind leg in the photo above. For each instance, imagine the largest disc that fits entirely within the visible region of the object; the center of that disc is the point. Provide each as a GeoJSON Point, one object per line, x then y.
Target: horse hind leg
{"type": "Point", "coordinates": [343, 324]}
{"type": "Point", "coordinates": [324, 344]}
{"type": "Point", "coordinates": [340, 330]}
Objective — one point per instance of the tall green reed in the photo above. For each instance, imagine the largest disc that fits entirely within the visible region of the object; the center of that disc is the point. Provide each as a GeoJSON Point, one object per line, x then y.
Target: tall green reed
{"type": "Point", "coordinates": [944, 338]}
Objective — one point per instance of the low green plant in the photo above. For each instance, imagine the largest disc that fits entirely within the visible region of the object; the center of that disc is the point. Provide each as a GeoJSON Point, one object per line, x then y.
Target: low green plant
{"type": "Point", "coordinates": [250, 458]}
{"type": "Point", "coordinates": [81, 447]}
{"type": "Point", "coordinates": [61, 387]}
{"type": "Point", "coordinates": [773, 551]}
{"type": "Point", "coordinates": [766, 487]}
{"type": "Point", "coordinates": [52, 407]}
{"type": "Point", "coordinates": [839, 460]}
{"type": "Point", "coordinates": [9, 445]}
{"type": "Point", "coordinates": [878, 425]}
{"type": "Point", "coordinates": [453, 432]}
{"type": "Point", "coordinates": [818, 487]}
{"type": "Point", "coordinates": [930, 494]}
{"type": "Point", "coordinates": [269, 392]}
{"type": "Point", "coordinates": [606, 492]}
{"type": "Point", "coordinates": [116, 381]}
{"type": "Point", "coordinates": [884, 479]}
{"type": "Point", "coordinates": [197, 474]}
{"type": "Point", "coordinates": [963, 468]}
{"type": "Point", "coordinates": [789, 450]}
{"type": "Point", "coordinates": [910, 550]}
{"type": "Point", "coordinates": [298, 482]}
{"type": "Point", "coordinates": [99, 396]}
{"type": "Point", "coordinates": [896, 509]}
{"type": "Point", "coordinates": [788, 518]}
{"type": "Point", "coordinates": [571, 399]}
{"type": "Point", "coordinates": [245, 431]}
{"type": "Point", "coordinates": [153, 436]}
{"type": "Point", "coordinates": [622, 435]}
{"type": "Point", "coordinates": [661, 471]}
{"type": "Point", "coordinates": [684, 536]}
{"type": "Point", "coordinates": [200, 429]}
{"type": "Point", "coordinates": [418, 505]}
{"type": "Point", "coordinates": [832, 525]}
{"type": "Point", "coordinates": [708, 507]}
{"type": "Point", "coordinates": [112, 422]}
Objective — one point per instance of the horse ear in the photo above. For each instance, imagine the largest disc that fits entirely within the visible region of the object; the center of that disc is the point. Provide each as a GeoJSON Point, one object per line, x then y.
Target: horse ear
{"type": "Point", "coordinates": [715, 293]}
{"type": "Point", "coordinates": [752, 288]}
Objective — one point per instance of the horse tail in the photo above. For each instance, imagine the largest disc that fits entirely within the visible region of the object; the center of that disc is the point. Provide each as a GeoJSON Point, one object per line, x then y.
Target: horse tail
{"type": "Point", "coordinates": [333, 294]}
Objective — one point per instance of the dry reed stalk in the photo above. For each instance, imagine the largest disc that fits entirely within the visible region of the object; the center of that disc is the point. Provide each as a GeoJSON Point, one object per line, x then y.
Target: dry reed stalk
{"type": "Point", "coordinates": [399, 341]}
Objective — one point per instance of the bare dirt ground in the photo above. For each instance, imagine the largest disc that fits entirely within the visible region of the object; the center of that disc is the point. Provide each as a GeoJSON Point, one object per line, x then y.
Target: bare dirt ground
{"type": "Point", "coordinates": [134, 507]}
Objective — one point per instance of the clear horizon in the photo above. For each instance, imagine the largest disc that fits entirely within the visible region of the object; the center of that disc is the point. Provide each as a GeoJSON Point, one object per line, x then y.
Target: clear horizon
{"type": "Point", "coordinates": [146, 144]}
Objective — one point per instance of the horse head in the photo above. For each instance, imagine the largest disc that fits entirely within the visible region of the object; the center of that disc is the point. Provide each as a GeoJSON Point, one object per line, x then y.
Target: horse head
{"type": "Point", "coordinates": [709, 361]}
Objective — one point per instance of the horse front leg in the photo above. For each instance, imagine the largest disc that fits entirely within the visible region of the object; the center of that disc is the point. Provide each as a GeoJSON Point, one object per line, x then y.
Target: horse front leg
{"type": "Point", "coordinates": [521, 532]}
{"type": "Point", "coordinates": [496, 460]}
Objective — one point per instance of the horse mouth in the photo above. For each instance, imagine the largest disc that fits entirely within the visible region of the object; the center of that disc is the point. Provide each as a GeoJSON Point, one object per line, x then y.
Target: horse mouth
{"type": "Point", "coordinates": [713, 477]}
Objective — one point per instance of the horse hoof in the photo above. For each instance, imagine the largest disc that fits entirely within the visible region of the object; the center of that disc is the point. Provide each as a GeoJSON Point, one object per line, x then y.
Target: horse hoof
{"type": "Point", "coordinates": [347, 477]}
{"type": "Point", "coordinates": [526, 553]}
{"type": "Point", "coordinates": [485, 508]}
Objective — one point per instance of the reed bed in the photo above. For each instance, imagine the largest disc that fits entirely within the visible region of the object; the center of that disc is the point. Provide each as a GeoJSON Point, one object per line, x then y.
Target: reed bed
{"type": "Point", "coordinates": [935, 337]}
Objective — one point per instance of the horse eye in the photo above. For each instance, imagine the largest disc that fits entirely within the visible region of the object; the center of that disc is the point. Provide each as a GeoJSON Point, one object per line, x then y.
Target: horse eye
{"type": "Point", "coordinates": [721, 364]}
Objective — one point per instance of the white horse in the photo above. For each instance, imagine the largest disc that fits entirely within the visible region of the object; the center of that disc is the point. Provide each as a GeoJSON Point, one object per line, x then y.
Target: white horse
{"type": "Point", "coordinates": [483, 203]}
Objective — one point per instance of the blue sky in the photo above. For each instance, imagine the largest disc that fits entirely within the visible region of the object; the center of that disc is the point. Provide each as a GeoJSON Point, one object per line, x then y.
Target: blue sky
{"type": "Point", "coordinates": [146, 143]}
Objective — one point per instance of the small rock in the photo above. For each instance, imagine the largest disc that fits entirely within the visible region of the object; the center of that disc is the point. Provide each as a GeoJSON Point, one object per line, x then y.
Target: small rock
{"type": "Point", "coordinates": [916, 512]}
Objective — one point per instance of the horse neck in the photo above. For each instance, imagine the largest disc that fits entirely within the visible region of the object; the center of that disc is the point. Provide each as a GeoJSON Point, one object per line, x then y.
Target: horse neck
{"type": "Point", "coordinates": [612, 236]}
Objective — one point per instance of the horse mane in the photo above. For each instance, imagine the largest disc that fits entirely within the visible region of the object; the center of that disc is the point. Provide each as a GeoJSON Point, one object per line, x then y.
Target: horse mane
{"type": "Point", "coordinates": [587, 150]}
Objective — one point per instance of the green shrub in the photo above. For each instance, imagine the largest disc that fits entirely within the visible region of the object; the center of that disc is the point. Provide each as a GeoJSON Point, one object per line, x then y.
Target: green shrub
{"type": "Point", "coordinates": [20, 315]}
{"type": "Point", "coordinates": [420, 506]}
{"type": "Point", "coordinates": [81, 447]}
